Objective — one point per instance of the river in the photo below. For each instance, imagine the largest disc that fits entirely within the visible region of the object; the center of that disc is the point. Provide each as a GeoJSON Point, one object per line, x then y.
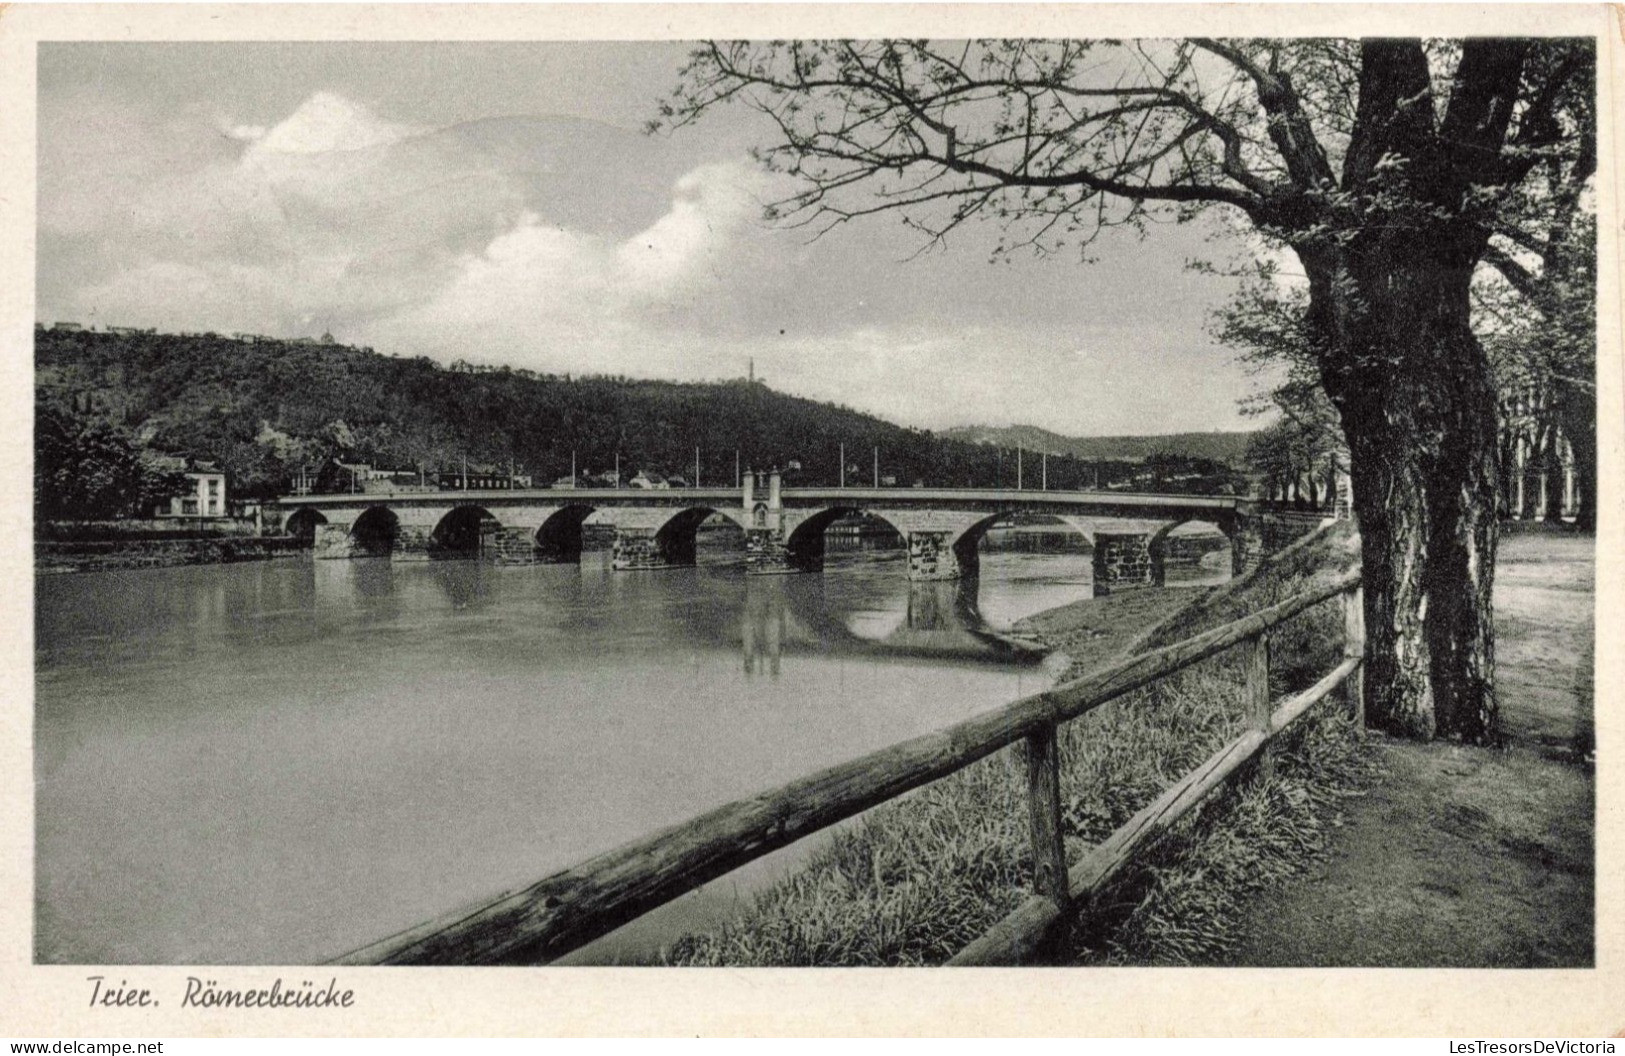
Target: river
{"type": "Point", "coordinates": [278, 762]}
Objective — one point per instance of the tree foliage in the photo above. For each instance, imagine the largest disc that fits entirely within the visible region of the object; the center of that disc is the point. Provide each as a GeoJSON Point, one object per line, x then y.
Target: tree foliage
{"type": "Point", "coordinates": [85, 469]}
{"type": "Point", "coordinates": [1059, 139]}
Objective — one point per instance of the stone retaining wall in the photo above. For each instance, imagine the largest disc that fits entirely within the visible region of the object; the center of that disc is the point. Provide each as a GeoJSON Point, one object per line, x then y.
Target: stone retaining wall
{"type": "Point", "coordinates": [106, 555]}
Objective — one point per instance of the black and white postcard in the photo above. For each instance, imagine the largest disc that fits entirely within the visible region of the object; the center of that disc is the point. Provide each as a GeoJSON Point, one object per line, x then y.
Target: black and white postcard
{"type": "Point", "coordinates": [1128, 496]}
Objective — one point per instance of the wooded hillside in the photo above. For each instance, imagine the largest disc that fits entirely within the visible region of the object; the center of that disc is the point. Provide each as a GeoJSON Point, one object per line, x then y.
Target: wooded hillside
{"type": "Point", "coordinates": [265, 408]}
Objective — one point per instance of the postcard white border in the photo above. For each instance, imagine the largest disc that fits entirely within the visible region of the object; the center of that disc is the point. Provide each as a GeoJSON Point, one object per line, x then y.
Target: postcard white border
{"type": "Point", "coordinates": [45, 1001]}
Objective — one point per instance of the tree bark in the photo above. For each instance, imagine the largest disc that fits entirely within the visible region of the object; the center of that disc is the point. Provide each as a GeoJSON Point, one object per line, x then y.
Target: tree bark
{"type": "Point", "coordinates": [1418, 407]}
{"type": "Point", "coordinates": [1392, 515]}
{"type": "Point", "coordinates": [1462, 542]}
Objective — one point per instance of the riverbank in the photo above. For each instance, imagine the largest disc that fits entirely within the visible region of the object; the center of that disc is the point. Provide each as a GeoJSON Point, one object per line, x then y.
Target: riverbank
{"type": "Point", "coordinates": [1095, 631]}
{"type": "Point", "coordinates": [917, 879]}
{"type": "Point", "coordinates": [54, 557]}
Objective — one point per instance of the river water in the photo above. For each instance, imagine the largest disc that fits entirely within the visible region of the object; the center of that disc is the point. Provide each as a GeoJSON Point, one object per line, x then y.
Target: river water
{"type": "Point", "coordinates": [279, 762]}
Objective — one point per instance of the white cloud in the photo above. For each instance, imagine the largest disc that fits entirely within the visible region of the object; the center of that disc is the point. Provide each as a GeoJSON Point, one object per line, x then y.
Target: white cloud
{"type": "Point", "coordinates": [538, 283]}
{"type": "Point", "coordinates": [332, 213]}
{"type": "Point", "coordinates": [710, 205]}
{"type": "Point", "coordinates": [326, 123]}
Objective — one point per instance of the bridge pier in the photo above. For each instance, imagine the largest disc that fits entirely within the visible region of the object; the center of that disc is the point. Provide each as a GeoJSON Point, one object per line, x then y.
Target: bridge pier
{"type": "Point", "coordinates": [1124, 561]}
{"type": "Point", "coordinates": [766, 554]}
{"type": "Point", "coordinates": [511, 545]}
{"type": "Point", "coordinates": [1246, 547]}
{"type": "Point", "coordinates": [521, 545]}
{"type": "Point", "coordinates": [333, 541]}
{"type": "Point", "coordinates": [648, 548]}
{"type": "Point", "coordinates": [935, 555]}
{"type": "Point", "coordinates": [413, 542]}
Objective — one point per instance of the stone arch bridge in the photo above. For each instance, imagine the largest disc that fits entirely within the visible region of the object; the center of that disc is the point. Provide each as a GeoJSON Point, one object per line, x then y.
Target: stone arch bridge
{"type": "Point", "coordinates": [783, 527]}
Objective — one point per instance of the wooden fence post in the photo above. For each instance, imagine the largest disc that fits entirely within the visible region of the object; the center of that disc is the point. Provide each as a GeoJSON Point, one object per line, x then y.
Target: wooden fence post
{"type": "Point", "coordinates": [1354, 648]}
{"type": "Point", "coordinates": [1044, 815]}
{"type": "Point", "coordinates": [1258, 698]}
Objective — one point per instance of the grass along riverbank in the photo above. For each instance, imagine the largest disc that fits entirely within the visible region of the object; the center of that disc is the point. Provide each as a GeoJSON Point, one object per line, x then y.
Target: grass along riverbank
{"type": "Point", "coordinates": [917, 879]}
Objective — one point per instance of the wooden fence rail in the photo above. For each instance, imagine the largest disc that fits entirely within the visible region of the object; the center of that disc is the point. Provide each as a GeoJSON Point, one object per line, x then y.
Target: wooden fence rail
{"type": "Point", "coordinates": [569, 909]}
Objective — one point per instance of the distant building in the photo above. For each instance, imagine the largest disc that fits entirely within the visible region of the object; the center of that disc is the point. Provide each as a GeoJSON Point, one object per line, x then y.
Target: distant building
{"type": "Point", "coordinates": [648, 480]}
{"type": "Point", "coordinates": [478, 480]}
{"type": "Point", "coordinates": [338, 477]}
{"type": "Point", "coordinates": [67, 326]}
{"type": "Point", "coordinates": [206, 498]}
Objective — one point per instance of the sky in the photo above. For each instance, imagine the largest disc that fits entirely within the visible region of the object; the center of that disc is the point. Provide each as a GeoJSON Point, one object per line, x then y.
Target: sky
{"type": "Point", "coordinates": [501, 203]}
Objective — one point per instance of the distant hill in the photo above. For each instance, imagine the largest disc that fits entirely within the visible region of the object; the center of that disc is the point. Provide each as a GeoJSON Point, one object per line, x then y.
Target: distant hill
{"type": "Point", "coordinates": [1228, 448]}
{"type": "Point", "coordinates": [264, 408]}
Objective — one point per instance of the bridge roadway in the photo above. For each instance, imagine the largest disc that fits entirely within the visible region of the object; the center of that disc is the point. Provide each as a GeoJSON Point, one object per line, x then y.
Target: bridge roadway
{"type": "Point", "coordinates": [784, 527]}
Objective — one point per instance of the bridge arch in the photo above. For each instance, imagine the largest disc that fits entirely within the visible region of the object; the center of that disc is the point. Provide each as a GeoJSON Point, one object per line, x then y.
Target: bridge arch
{"type": "Point", "coordinates": [967, 544]}
{"type": "Point", "coordinates": [1174, 560]}
{"type": "Point", "coordinates": [971, 537]}
{"type": "Point", "coordinates": [559, 537]}
{"type": "Point", "coordinates": [303, 522]}
{"type": "Point", "coordinates": [805, 542]}
{"type": "Point", "coordinates": [462, 530]}
{"type": "Point", "coordinates": [678, 538]}
{"type": "Point", "coordinates": [376, 531]}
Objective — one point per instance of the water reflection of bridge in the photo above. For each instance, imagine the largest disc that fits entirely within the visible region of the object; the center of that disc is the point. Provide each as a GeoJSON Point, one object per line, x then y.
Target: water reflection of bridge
{"type": "Point", "coordinates": [768, 617]}
{"type": "Point", "coordinates": [940, 621]}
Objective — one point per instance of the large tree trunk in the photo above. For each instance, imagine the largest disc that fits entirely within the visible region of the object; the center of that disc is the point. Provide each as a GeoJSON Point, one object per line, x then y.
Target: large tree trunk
{"type": "Point", "coordinates": [1462, 543]}
{"type": "Point", "coordinates": [1391, 510]}
{"type": "Point", "coordinates": [1578, 412]}
{"type": "Point", "coordinates": [1529, 474]}
{"type": "Point", "coordinates": [1554, 477]}
{"type": "Point", "coordinates": [1507, 450]}
{"type": "Point", "coordinates": [1419, 412]}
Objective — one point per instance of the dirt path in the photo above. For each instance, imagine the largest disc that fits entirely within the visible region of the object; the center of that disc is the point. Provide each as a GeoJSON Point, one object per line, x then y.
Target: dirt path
{"type": "Point", "coordinates": [1470, 856]}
